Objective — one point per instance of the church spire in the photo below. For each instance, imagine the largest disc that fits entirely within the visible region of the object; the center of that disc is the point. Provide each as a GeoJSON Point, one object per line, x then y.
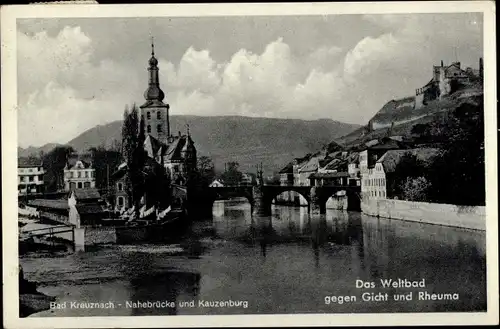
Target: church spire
{"type": "Point", "coordinates": [153, 93]}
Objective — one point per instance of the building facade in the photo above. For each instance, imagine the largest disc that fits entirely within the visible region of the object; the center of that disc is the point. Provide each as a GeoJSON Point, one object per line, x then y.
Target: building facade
{"type": "Point", "coordinates": [379, 181]}
{"type": "Point", "coordinates": [30, 174]}
{"type": "Point", "coordinates": [79, 172]}
{"type": "Point", "coordinates": [368, 159]}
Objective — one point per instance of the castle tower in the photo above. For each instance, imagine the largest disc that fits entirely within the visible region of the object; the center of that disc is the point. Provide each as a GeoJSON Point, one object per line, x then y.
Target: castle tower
{"type": "Point", "coordinates": [154, 112]}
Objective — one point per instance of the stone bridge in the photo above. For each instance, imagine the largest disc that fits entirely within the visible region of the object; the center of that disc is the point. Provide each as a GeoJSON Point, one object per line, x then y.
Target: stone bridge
{"type": "Point", "coordinates": [262, 196]}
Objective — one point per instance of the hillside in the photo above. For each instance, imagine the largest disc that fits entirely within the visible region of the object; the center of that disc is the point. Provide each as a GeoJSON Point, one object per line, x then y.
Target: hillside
{"type": "Point", "coordinates": [401, 115]}
{"type": "Point", "coordinates": [26, 152]}
{"type": "Point", "coordinates": [246, 140]}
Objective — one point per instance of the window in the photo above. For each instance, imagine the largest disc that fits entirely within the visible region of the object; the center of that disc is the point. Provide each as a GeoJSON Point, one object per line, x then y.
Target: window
{"type": "Point", "coordinates": [158, 115]}
{"type": "Point", "coordinates": [120, 201]}
{"type": "Point", "coordinates": [79, 184]}
{"type": "Point", "coordinates": [149, 128]}
{"type": "Point", "coordinates": [120, 186]}
{"type": "Point", "coordinates": [87, 174]}
{"type": "Point", "coordinates": [72, 185]}
{"type": "Point", "coordinates": [79, 174]}
{"type": "Point", "coordinates": [86, 184]}
{"type": "Point", "coordinates": [148, 115]}
{"type": "Point", "coordinates": [30, 170]}
{"type": "Point", "coordinates": [30, 178]}
{"type": "Point", "coordinates": [158, 128]}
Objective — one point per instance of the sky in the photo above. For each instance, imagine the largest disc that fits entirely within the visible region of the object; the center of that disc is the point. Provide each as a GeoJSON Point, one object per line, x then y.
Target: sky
{"type": "Point", "coordinates": [74, 74]}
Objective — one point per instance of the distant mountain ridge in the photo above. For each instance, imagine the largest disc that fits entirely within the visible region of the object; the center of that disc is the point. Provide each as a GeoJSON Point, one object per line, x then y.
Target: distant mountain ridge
{"type": "Point", "coordinates": [246, 140]}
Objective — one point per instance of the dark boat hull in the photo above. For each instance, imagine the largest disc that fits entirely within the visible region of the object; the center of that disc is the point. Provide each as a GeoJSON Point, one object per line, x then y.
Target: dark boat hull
{"type": "Point", "coordinates": [169, 231]}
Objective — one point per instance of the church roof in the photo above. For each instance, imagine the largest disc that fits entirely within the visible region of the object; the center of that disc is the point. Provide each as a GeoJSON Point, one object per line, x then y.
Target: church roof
{"type": "Point", "coordinates": [171, 151]}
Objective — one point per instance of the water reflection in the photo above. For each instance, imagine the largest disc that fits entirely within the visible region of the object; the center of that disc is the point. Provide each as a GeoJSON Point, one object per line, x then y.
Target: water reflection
{"type": "Point", "coordinates": [284, 263]}
{"type": "Point", "coordinates": [367, 248]}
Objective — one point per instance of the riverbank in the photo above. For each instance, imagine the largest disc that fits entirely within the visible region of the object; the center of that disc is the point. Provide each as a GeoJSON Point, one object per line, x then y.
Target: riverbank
{"type": "Point", "coordinates": [468, 217]}
{"type": "Point", "coordinates": [30, 299]}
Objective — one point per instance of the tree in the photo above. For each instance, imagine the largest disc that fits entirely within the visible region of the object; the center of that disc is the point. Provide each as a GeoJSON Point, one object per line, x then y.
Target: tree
{"type": "Point", "coordinates": [133, 152]}
{"type": "Point", "coordinates": [104, 161]}
{"type": "Point", "coordinates": [206, 170]}
{"type": "Point", "coordinates": [54, 163]}
{"type": "Point", "coordinates": [409, 166]}
{"type": "Point", "coordinates": [415, 189]}
{"type": "Point", "coordinates": [232, 175]}
{"type": "Point", "coordinates": [458, 175]}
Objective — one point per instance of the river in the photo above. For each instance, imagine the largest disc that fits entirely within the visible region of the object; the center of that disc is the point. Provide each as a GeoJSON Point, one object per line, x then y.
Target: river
{"type": "Point", "coordinates": [286, 263]}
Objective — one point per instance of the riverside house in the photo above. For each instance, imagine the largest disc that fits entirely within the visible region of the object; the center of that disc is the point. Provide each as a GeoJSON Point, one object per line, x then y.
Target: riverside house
{"type": "Point", "coordinates": [30, 176]}
{"type": "Point", "coordinates": [79, 172]}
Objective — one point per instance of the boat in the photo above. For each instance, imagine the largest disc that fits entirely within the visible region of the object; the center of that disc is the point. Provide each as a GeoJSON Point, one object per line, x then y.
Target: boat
{"type": "Point", "coordinates": [156, 226]}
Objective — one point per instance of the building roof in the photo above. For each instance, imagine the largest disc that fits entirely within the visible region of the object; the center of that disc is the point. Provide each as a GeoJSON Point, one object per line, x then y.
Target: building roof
{"type": "Point", "coordinates": [49, 203]}
{"type": "Point", "coordinates": [288, 169]}
{"type": "Point", "coordinates": [391, 158]}
{"type": "Point", "coordinates": [311, 165]}
{"type": "Point", "coordinates": [386, 143]}
{"type": "Point", "coordinates": [92, 208]}
{"type": "Point", "coordinates": [335, 164]}
{"type": "Point", "coordinates": [329, 175]}
{"type": "Point", "coordinates": [85, 158]}
{"type": "Point", "coordinates": [353, 157]}
{"type": "Point", "coordinates": [86, 194]}
{"type": "Point", "coordinates": [28, 162]}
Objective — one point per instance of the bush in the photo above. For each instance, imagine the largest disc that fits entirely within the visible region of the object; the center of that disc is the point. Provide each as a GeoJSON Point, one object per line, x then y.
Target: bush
{"type": "Point", "coordinates": [416, 189]}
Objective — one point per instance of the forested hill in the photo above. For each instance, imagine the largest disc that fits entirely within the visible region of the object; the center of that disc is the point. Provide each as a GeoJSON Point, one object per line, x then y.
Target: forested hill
{"type": "Point", "coordinates": [246, 140]}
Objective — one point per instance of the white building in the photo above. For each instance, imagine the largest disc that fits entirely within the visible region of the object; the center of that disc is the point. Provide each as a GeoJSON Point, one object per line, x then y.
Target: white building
{"type": "Point", "coordinates": [377, 183]}
{"type": "Point", "coordinates": [30, 176]}
{"type": "Point", "coordinates": [79, 172]}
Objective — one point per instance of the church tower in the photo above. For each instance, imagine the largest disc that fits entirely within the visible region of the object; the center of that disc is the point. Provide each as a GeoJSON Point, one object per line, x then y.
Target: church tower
{"type": "Point", "coordinates": [154, 112]}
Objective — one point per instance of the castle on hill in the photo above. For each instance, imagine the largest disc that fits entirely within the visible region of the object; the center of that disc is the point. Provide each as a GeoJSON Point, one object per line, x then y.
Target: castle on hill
{"type": "Point", "coordinates": [445, 81]}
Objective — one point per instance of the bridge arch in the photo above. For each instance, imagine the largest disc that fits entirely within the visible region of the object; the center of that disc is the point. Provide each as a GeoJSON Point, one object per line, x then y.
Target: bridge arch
{"type": "Point", "coordinates": [273, 195]}
{"type": "Point", "coordinates": [353, 199]}
{"type": "Point", "coordinates": [207, 200]}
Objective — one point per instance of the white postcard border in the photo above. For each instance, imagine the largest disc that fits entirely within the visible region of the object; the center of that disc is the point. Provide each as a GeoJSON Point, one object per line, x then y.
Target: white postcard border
{"type": "Point", "coordinates": [9, 14]}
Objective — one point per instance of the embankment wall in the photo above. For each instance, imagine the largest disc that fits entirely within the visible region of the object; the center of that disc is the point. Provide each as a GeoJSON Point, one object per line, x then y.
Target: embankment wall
{"type": "Point", "coordinates": [470, 217]}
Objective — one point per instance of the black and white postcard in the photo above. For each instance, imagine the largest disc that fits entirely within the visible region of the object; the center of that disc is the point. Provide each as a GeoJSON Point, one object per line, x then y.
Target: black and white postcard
{"type": "Point", "coordinates": [218, 165]}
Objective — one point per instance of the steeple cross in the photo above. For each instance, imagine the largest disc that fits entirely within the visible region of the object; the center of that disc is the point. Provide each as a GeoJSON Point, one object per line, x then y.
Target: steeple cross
{"type": "Point", "coordinates": [152, 46]}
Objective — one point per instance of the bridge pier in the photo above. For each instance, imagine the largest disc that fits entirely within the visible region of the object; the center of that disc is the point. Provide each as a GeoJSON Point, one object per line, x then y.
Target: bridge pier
{"type": "Point", "coordinates": [316, 204]}
{"type": "Point", "coordinates": [79, 238]}
{"type": "Point", "coordinates": [260, 208]}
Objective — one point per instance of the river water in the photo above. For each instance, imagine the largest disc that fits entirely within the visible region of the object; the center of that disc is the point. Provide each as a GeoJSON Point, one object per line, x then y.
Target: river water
{"type": "Point", "coordinates": [286, 263]}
